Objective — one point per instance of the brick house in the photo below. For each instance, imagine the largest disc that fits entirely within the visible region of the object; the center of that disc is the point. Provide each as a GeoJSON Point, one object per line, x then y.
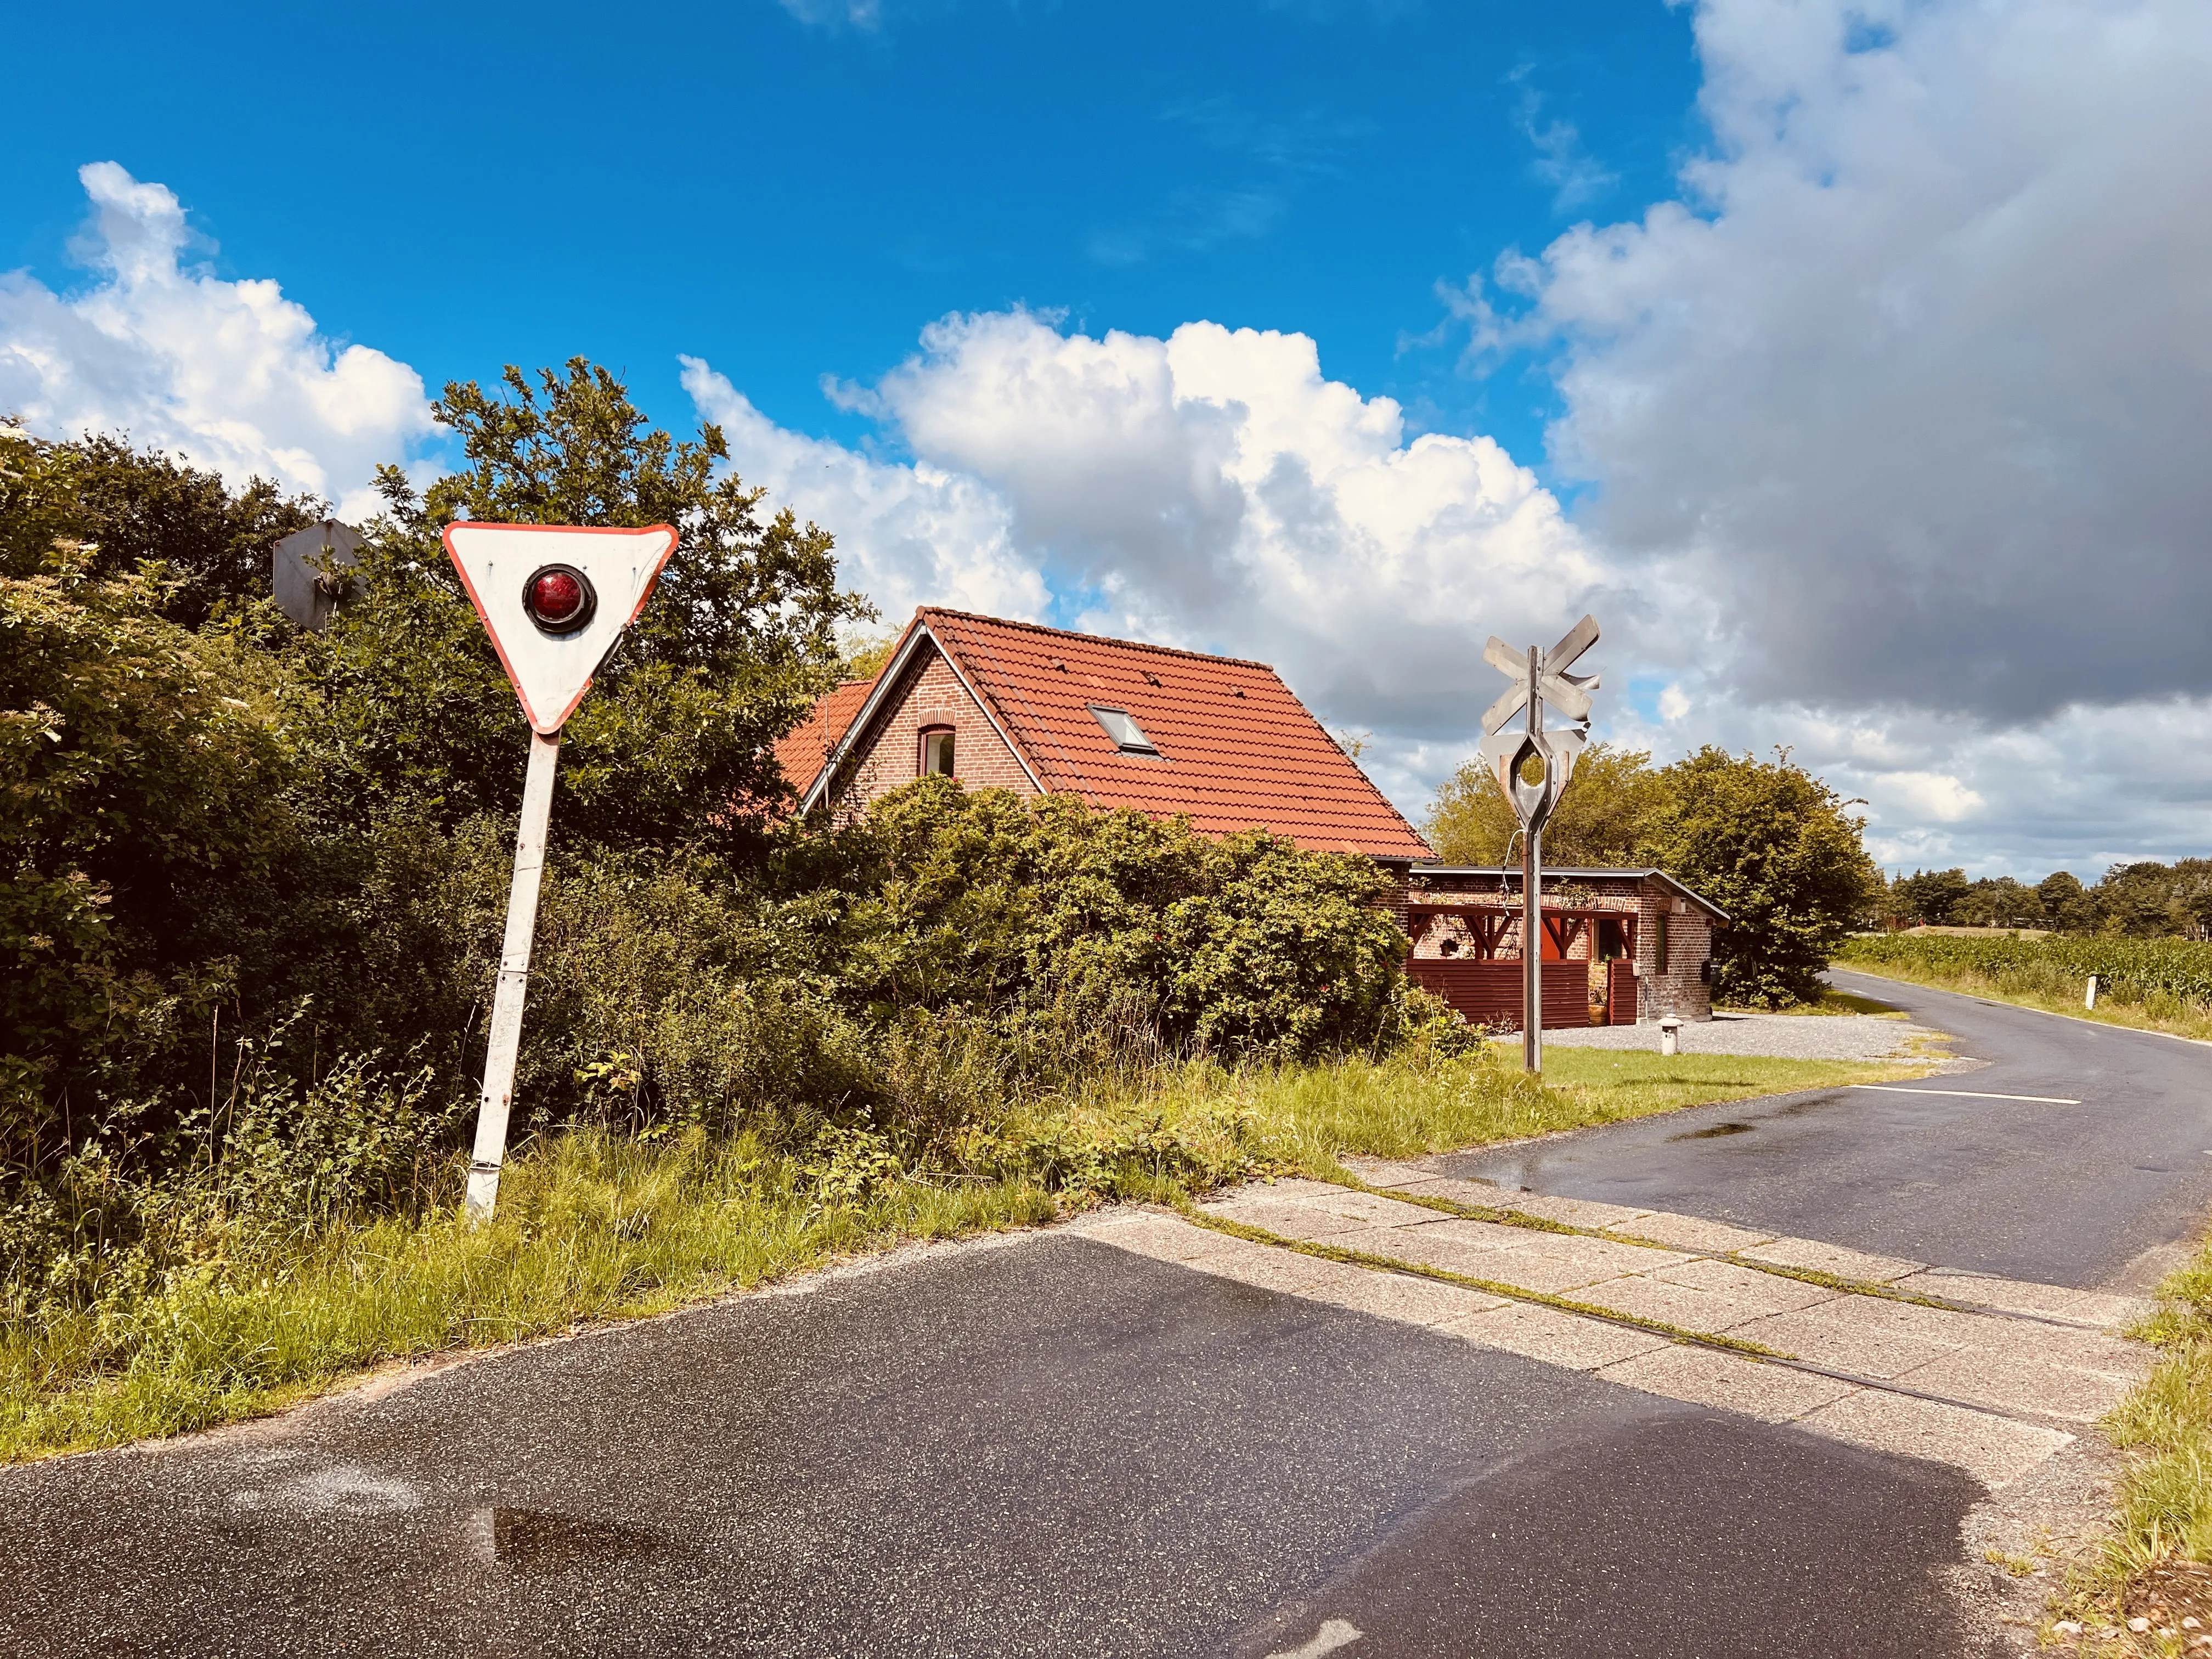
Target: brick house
{"type": "Point", "coordinates": [1043, 711]}
{"type": "Point", "coordinates": [1224, 742]}
{"type": "Point", "coordinates": [1641, 941]}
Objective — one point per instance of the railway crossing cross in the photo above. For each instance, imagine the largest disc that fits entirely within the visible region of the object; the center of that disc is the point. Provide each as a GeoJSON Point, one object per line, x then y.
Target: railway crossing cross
{"type": "Point", "coordinates": [556, 600]}
{"type": "Point", "coordinates": [1533, 766]}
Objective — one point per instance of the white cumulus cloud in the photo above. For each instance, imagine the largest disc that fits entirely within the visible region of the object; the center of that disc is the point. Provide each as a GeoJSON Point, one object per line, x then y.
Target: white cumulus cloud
{"type": "Point", "coordinates": [231, 375]}
{"type": "Point", "coordinates": [1919, 371]}
{"type": "Point", "coordinates": [1212, 489]}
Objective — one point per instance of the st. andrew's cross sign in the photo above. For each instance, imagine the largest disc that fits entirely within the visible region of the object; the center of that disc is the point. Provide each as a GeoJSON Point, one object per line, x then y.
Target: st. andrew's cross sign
{"type": "Point", "coordinates": [1532, 765]}
{"type": "Point", "coordinates": [554, 599]}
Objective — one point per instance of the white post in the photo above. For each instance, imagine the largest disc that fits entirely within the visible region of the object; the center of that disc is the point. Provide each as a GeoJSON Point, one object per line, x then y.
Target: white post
{"type": "Point", "coordinates": [1532, 907]}
{"type": "Point", "coordinates": [513, 977]}
{"type": "Point", "coordinates": [2090, 1000]}
{"type": "Point", "coordinates": [1670, 1037]}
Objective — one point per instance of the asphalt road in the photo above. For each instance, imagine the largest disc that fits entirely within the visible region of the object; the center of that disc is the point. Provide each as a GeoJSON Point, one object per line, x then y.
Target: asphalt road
{"type": "Point", "coordinates": [1053, 1447]}
{"type": "Point", "coordinates": [2086, 1195]}
{"type": "Point", "coordinates": [1049, 1448]}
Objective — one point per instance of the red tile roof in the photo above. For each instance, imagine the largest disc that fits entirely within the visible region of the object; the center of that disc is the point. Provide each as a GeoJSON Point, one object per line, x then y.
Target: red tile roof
{"type": "Point", "coordinates": [1237, 750]}
{"type": "Point", "coordinates": [802, 751]}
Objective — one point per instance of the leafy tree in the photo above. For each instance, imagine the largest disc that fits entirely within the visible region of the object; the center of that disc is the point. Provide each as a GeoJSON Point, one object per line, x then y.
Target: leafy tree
{"type": "Point", "coordinates": [2066, 904]}
{"type": "Point", "coordinates": [1778, 849]}
{"type": "Point", "coordinates": [1998, 902]}
{"type": "Point", "coordinates": [674, 743]}
{"type": "Point", "coordinates": [1601, 820]}
{"type": "Point", "coordinates": [143, 770]}
{"type": "Point", "coordinates": [129, 507]}
{"type": "Point", "coordinates": [1933, 896]}
{"type": "Point", "coordinates": [2149, 900]}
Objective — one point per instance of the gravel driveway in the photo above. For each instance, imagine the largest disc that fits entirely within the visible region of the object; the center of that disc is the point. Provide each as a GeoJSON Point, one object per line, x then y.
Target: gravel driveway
{"type": "Point", "coordinates": [1784, 1037]}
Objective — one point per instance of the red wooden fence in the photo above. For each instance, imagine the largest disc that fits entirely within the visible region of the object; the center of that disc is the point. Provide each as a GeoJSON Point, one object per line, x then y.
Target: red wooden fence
{"type": "Point", "coordinates": [1489, 992]}
{"type": "Point", "coordinates": [1620, 992]}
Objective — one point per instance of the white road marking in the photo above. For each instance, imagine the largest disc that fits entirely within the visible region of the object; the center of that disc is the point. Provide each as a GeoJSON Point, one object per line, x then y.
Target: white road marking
{"type": "Point", "coordinates": [1967, 1094]}
{"type": "Point", "coordinates": [1334, 1634]}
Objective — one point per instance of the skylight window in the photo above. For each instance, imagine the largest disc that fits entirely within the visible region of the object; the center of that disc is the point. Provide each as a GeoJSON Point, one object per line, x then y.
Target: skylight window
{"type": "Point", "coordinates": [1128, 737]}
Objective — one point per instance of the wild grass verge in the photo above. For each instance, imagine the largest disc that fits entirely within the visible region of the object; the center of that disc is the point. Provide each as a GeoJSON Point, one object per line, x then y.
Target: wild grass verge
{"type": "Point", "coordinates": [2156, 1566]}
{"type": "Point", "coordinates": [595, 1225]}
{"type": "Point", "coordinates": [2033, 975]}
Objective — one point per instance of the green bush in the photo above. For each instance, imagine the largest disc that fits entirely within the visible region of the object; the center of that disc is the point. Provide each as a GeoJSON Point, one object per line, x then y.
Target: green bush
{"type": "Point", "coordinates": [256, 877]}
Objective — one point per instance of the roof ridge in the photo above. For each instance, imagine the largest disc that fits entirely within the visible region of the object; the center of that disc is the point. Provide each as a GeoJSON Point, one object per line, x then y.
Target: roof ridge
{"type": "Point", "coordinates": [1094, 639]}
{"type": "Point", "coordinates": [1012, 727]}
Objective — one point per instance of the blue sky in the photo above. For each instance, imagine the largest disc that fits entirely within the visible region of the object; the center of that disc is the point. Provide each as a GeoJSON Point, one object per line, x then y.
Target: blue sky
{"type": "Point", "coordinates": [1850, 359]}
{"type": "Point", "coordinates": [464, 186]}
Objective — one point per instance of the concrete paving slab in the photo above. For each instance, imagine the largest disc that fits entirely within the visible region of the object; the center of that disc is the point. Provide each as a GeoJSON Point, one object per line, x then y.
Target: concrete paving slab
{"type": "Point", "coordinates": [1774, 1394]}
{"type": "Point", "coordinates": [1768, 1293]}
{"type": "Point", "coordinates": [2094, 1353]}
{"type": "Point", "coordinates": [2098, 1308]}
{"type": "Point", "coordinates": [1831, 1259]}
{"type": "Point", "coordinates": [1482, 1194]}
{"type": "Point", "coordinates": [1574, 1211]}
{"type": "Point", "coordinates": [1555, 1338]}
{"type": "Point", "coordinates": [1460, 1241]}
{"type": "Point", "coordinates": [2011, 1385]}
{"type": "Point", "coordinates": [1434, 1248]}
{"type": "Point", "coordinates": [1387, 1172]}
{"type": "Point", "coordinates": [1292, 1217]}
{"type": "Point", "coordinates": [1372, 1210]}
{"type": "Point", "coordinates": [1408, 1301]}
{"type": "Point", "coordinates": [1690, 1232]}
{"type": "Point", "coordinates": [1684, 1305]}
{"type": "Point", "coordinates": [1560, 1261]}
{"type": "Point", "coordinates": [1268, 1268]}
{"type": "Point", "coordinates": [1148, 1233]}
{"type": "Point", "coordinates": [1830, 1335]}
{"type": "Point", "coordinates": [1995, 1450]}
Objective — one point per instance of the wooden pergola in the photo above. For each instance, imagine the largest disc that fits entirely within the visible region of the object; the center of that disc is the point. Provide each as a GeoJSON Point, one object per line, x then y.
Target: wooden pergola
{"type": "Point", "coordinates": [1488, 921]}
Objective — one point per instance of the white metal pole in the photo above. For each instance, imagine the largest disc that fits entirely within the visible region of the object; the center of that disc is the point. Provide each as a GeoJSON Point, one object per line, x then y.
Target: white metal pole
{"type": "Point", "coordinates": [1532, 907]}
{"type": "Point", "coordinates": [513, 977]}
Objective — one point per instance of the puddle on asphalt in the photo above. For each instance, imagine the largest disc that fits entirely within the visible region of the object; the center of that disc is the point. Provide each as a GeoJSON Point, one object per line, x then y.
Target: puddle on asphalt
{"type": "Point", "coordinates": [545, 1540]}
{"type": "Point", "coordinates": [1717, 1129]}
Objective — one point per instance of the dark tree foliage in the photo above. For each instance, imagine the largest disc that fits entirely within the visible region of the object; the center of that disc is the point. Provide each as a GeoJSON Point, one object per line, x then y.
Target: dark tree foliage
{"type": "Point", "coordinates": [1999, 901]}
{"type": "Point", "coordinates": [243, 861]}
{"type": "Point", "coordinates": [1779, 851]}
{"type": "Point", "coordinates": [672, 745]}
{"type": "Point", "coordinates": [2066, 904]}
{"type": "Point", "coordinates": [131, 507]}
{"type": "Point", "coordinates": [1932, 896]}
{"type": "Point", "coordinates": [2148, 900]}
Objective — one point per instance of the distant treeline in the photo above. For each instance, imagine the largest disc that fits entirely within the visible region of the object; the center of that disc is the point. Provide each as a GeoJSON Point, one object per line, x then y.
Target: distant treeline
{"type": "Point", "coordinates": [2148, 900]}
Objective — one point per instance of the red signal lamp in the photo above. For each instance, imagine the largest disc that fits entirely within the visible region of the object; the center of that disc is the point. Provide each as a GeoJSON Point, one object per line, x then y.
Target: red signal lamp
{"type": "Point", "coordinates": [559, 598]}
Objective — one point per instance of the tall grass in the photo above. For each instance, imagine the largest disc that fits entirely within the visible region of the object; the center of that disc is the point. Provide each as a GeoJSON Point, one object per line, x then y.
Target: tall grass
{"type": "Point", "coordinates": [246, 1316]}
{"type": "Point", "coordinates": [2162, 985]}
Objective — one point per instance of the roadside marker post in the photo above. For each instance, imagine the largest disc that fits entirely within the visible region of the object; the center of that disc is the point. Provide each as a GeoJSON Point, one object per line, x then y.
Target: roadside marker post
{"type": "Point", "coordinates": [1533, 766]}
{"type": "Point", "coordinates": [555, 600]}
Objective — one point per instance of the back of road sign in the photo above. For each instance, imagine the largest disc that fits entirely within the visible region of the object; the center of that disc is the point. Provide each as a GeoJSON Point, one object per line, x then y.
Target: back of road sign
{"type": "Point", "coordinates": [554, 598]}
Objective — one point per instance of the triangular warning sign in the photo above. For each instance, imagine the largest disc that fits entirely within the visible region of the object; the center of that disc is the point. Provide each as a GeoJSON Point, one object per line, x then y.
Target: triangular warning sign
{"type": "Point", "coordinates": [555, 598]}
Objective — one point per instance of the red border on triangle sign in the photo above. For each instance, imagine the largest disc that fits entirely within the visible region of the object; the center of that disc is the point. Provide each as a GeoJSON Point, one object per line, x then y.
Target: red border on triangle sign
{"type": "Point", "coordinates": [551, 673]}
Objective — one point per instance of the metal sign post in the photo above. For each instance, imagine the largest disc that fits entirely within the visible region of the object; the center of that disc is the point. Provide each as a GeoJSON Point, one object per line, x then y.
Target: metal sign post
{"type": "Point", "coordinates": [1533, 766]}
{"type": "Point", "coordinates": [554, 599]}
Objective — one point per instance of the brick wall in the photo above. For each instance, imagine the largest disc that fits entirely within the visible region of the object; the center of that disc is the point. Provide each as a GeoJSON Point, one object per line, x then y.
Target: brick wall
{"type": "Point", "coordinates": [930, 693]}
{"type": "Point", "coordinates": [1679, 991]}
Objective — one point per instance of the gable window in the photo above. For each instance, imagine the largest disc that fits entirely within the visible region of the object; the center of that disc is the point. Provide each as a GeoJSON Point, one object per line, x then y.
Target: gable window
{"type": "Point", "coordinates": [937, 751]}
{"type": "Point", "coordinates": [1128, 737]}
